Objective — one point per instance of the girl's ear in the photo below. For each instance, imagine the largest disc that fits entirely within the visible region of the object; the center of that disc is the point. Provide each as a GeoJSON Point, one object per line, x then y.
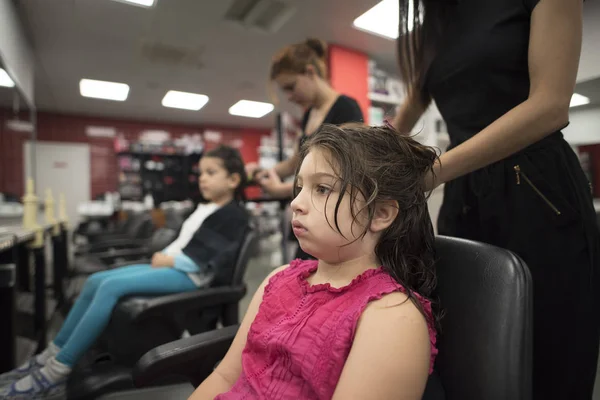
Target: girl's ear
{"type": "Point", "coordinates": [234, 180]}
{"type": "Point", "coordinates": [385, 213]}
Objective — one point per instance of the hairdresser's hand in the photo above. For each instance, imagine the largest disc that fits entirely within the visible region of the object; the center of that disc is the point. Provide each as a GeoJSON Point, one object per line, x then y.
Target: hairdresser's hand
{"type": "Point", "coordinates": [160, 260]}
{"type": "Point", "coordinates": [260, 174]}
{"type": "Point", "coordinates": [271, 183]}
{"type": "Point", "coordinates": [251, 169]}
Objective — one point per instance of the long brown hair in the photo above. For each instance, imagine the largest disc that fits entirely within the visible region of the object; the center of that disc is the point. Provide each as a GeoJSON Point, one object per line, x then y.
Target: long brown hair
{"type": "Point", "coordinates": [379, 164]}
{"type": "Point", "coordinates": [418, 40]}
{"type": "Point", "coordinates": [295, 58]}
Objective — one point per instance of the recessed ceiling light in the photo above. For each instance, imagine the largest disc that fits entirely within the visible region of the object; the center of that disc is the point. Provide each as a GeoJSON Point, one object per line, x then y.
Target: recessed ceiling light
{"type": "Point", "coordinates": [143, 3]}
{"type": "Point", "coordinates": [578, 100]}
{"type": "Point", "coordinates": [5, 79]}
{"type": "Point", "coordinates": [184, 100]}
{"type": "Point", "coordinates": [103, 90]}
{"type": "Point", "coordinates": [383, 18]}
{"type": "Point", "coordinates": [251, 109]}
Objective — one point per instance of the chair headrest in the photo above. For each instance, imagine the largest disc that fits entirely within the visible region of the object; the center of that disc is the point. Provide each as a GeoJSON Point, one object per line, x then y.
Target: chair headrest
{"type": "Point", "coordinates": [243, 257]}
{"type": "Point", "coordinates": [485, 341]}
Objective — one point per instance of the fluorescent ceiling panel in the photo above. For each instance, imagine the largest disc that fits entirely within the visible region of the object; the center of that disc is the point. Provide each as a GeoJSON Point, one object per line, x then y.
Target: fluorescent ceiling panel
{"type": "Point", "coordinates": [250, 109]}
{"type": "Point", "coordinates": [578, 100]}
{"type": "Point", "coordinates": [142, 3]}
{"type": "Point", "coordinates": [5, 80]}
{"type": "Point", "coordinates": [184, 100]}
{"type": "Point", "coordinates": [382, 19]}
{"type": "Point", "coordinates": [103, 90]}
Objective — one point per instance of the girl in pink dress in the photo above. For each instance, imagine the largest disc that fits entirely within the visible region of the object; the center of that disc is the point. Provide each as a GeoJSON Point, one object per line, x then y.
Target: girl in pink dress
{"type": "Point", "coordinates": [356, 323]}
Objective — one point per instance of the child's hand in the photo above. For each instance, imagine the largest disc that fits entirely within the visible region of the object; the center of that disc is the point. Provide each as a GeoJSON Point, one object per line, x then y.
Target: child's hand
{"type": "Point", "coordinates": [160, 260]}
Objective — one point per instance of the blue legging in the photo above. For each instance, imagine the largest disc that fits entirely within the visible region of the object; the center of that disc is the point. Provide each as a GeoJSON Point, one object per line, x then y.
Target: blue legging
{"type": "Point", "coordinates": [92, 310]}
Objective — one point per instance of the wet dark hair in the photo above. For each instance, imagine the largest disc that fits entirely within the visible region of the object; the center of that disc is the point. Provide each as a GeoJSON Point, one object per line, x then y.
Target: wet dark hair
{"type": "Point", "coordinates": [417, 47]}
{"type": "Point", "coordinates": [380, 164]}
{"type": "Point", "coordinates": [233, 163]}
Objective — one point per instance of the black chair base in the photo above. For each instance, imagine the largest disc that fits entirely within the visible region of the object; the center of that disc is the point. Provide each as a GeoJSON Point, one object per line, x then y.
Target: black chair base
{"type": "Point", "coordinates": [97, 380]}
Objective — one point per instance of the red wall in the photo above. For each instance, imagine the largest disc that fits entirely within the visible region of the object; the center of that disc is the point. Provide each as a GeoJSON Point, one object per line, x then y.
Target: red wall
{"type": "Point", "coordinates": [70, 128]}
{"type": "Point", "coordinates": [349, 74]}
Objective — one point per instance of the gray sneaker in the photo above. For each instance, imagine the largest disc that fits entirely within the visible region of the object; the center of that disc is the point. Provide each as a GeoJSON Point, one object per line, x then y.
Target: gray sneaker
{"type": "Point", "coordinates": [20, 372]}
{"type": "Point", "coordinates": [42, 389]}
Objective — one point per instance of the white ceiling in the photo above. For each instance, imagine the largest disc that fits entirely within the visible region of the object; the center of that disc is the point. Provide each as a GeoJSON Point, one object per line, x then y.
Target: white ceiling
{"type": "Point", "coordinates": [590, 89]}
{"type": "Point", "coordinates": [103, 39]}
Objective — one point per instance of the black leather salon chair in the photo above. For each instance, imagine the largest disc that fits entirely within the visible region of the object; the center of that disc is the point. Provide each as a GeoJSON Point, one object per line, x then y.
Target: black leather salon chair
{"type": "Point", "coordinates": [138, 228]}
{"type": "Point", "coordinates": [485, 339]}
{"type": "Point", "coordinates": [140, 323]}
{"type": "Point", "coordinates": [89, 229]}
{"type": "Point", "coordinates": [135, 252]}
{"type": "Point", "coordinates": [116, 253]}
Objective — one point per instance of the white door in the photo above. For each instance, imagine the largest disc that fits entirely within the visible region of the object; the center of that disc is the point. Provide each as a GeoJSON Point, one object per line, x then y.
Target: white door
{"type": "Point", "coordinates": [63, 168]}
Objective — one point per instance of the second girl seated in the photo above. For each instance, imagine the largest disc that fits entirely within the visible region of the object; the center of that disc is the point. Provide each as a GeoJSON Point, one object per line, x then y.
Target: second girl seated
{"type": "Point", "coordinates": [204, 253]}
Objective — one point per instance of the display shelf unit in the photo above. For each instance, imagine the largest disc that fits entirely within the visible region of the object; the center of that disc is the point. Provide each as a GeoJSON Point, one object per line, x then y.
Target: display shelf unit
{"type": "Point", "coordinates": [164, 175]}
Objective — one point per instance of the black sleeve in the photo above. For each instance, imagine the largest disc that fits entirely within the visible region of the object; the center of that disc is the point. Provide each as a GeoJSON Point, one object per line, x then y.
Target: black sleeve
{"type": "Point", "coordinates": [530, 4]}
{"type": "Point", "coordinates": [223, 262]}
{"type": "Point", "coordinates": [347, 110]}
{"type": "Point", "coordinates": [216, 243]}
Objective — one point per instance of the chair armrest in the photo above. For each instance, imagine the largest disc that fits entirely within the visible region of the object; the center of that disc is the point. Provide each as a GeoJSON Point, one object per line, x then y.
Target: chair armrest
{"type": "Point", "coordinates": [127, 254]}
{"type": "Point", "coordinates": [194, 357]}
{"type": "Point", "coordinates": [91, 236]}
{"type": "Point", "coordinates": [142, 308]}
{"type": "Point", "coordinates": [131, 262]}
{"type": "Point", "coordinates": [107, 236]}
{"type": "Point", "coordinates": [105, 245]}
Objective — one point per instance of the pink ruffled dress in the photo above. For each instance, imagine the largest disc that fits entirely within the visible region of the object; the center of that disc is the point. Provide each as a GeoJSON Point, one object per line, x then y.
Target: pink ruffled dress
{"type": "Point", "coordinates": [301, 337]}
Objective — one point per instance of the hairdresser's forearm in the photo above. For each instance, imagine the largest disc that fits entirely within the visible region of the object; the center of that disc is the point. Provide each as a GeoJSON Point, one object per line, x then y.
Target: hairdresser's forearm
{"type": "Point", "coordinates": [285, 191]}
{"type": "Point", "coordinates": [408, 114]}
{"type": "Point", "coordinates": [286, 168]}
{"type": "Point", "coordinates": [522, 126]}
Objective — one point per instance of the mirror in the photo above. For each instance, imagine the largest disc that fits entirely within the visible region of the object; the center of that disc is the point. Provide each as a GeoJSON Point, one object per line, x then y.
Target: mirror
{"type": "Point", "coordinates": [17, 123]}
{"type": "Point", "coordinates": [583, 132]}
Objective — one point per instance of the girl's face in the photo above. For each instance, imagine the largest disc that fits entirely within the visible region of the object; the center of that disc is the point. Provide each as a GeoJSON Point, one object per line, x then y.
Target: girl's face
{"type": "Point", "coordinates": [314, 222]}
{"type": "Point", "coordinates": [297, 88]}
{"type": "Point", "coordinates": [216, 183]}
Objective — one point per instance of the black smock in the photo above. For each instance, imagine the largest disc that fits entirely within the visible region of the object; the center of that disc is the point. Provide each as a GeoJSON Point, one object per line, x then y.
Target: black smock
{"type": "Point", "coordinates": [537, 203]}
{"type": "Point", "coordinates": [344, 110]}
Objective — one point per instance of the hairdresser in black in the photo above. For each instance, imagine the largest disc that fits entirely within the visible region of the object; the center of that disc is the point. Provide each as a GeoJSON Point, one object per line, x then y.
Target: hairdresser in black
{"type": "Point", "coordinates": [502, 73]}
{"type": "Point", "coordinates": [300, 71]}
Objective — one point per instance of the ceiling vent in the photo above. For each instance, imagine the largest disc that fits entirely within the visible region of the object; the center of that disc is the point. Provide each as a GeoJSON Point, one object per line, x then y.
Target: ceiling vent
{"type": "Point", "coordinates": [266, 16]}
{"type": "Point", "coordinates": [158, 53]}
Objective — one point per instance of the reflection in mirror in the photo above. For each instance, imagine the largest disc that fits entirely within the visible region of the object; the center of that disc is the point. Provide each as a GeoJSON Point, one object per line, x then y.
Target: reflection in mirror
{"type": "Point", "coordinates": [583, 132]}
{"type": "Point", "coordinates": [17, 124]}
